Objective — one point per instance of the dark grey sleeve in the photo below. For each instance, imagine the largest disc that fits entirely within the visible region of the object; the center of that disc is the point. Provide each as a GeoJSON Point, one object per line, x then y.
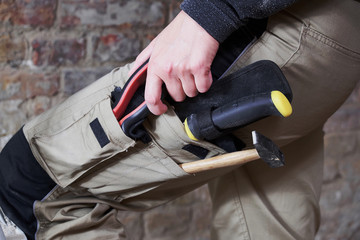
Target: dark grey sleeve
{"type": "Point", "coordinates": [221, 17]}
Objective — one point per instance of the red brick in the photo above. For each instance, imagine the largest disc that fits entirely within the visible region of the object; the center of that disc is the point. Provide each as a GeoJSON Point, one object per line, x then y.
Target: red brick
{"type": "Point", "coordinates": [115, 47]}
{"type": "Point", "coordinates": [59, 52]}
{"type": "Point", "coordinates": [6, 9]}
{"type": "Point", "coordinates": [35, 12]}
{"type": "Point", "coordinates": [68, 50]}
{"type": "Point", "coordinates": [70, 21]}
{"type": "Point", "coordinates": [76, 79]}
{"type": "Point", "coordinates": [12, 50]}
{"type": "Point", "coordinates": [36, 105]}
{"type": "Point", "coordinates": [40, 85]}
{"type": "Point", "coordinates": [23, 85]}
{"type": "Point", "coordinates": [41, 52]}
{"type": "Point", "coordinates": [111, 13]}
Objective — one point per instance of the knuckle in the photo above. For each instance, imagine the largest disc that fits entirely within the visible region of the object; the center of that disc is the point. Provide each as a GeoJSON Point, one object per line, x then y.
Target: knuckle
{"type": "Point", "coordinates": [184, 68]}
{"type": "Point", "coordinates": [206, 70]}
{"type": "Point", "coordinates": [203, 70]}
{"type": "Point", "coordinates": [200, 67]}
{"type": "Point", "coordinates": [168, 69]}
{"type": "Point", "coordinates": [151, 100]}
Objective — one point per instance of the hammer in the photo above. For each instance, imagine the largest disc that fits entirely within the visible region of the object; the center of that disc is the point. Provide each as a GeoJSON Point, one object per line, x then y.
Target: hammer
{"type": "Point", "coordinates": [264, 149]}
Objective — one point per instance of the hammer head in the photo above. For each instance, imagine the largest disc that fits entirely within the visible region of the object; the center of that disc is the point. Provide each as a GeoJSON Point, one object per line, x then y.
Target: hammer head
{"type": "Point", "coordinates": [267, 150]}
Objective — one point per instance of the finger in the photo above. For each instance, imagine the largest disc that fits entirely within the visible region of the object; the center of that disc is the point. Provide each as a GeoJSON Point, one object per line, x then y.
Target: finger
{"type": "Point", "coordinates": [166, 71]}
{"type": "Point", "coordinates": [153, 94]}
{"type": "Point", "coordinates": [142, 57]}
{"type": "Point", "coordinates": [188, 84]}
{"type": "Point", "coordinates": [175, 89]}
{"type": "Point", "coordinates": [203, 79]}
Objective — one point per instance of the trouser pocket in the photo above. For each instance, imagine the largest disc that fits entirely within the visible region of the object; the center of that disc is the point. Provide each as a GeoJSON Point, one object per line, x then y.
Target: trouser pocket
{"type": "Point", "coordinates": [81, 145]}
{"type": "Point", "coordinates": [144, 168]}
{"type": "Point", "coordinates": [78, 134]}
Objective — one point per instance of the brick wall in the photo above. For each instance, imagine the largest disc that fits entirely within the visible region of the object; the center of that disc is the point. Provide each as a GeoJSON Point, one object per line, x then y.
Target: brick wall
{"type": "Point", "coordinates": [340, 200]}
{"type": "Point", "coordinates": [49, 49]}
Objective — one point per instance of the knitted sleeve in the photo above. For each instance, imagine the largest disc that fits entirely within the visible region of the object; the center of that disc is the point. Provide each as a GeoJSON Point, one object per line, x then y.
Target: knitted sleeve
{"type": "Point", "coordinates": [221, 17]}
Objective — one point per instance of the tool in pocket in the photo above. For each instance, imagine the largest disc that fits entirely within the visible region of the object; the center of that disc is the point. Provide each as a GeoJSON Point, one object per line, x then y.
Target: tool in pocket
{"type": "Point", "coordinates": [232, 101]}
{"type": "Point", "coordinates": [245, 96]}
{"type": "Point", "coordinates": [128, 103]}
{"type": "Point", "coordinates": [130, 119]}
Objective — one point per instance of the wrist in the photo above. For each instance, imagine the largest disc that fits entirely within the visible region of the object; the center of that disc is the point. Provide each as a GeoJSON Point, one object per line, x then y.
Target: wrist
{"type": "Point", "coordinates": [210, 18]}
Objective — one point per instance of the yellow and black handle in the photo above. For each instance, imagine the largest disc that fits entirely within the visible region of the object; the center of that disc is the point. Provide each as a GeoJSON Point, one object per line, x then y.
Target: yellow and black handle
{"type": "Point", "coordinates": [213, 123]}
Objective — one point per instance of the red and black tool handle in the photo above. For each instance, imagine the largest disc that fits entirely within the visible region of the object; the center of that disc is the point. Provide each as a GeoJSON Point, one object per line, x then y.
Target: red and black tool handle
{"type": "Point", "coordinates": [132, 119]}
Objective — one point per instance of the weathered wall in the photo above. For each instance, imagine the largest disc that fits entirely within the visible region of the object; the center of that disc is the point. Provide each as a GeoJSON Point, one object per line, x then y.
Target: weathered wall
{"type": "Point", "coordinates": [49, 49]}
{"type": "Point", "coordinates": [340, 200]}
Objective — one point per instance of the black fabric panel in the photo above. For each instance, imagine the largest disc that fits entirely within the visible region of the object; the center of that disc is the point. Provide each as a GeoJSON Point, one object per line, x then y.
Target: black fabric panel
{"type": "Point", "coordinates": [99, 133]}
{"type": "Point", "coordinates": [22, 181]}
{"type": "Point", "coordinates": [198, 151]}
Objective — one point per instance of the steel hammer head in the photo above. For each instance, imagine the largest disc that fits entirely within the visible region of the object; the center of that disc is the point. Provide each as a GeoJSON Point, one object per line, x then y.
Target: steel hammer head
{"type": "Point", "coordinates": [267, 150]}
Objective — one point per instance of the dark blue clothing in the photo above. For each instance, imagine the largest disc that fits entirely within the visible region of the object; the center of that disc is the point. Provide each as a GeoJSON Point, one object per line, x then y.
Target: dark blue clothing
{"type": "Point", "coordinates": [22, 182]}
{"type": "Point", "coordinates": [222, 17]}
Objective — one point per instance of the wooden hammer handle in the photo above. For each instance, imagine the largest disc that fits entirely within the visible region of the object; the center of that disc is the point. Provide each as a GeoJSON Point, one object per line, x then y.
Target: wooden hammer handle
{"type": "Point", "coordinates": [225, 160]}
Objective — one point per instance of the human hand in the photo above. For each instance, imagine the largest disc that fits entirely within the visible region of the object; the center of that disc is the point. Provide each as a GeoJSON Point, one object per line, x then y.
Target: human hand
{"type": "Point", "coordinates": [181, 57]}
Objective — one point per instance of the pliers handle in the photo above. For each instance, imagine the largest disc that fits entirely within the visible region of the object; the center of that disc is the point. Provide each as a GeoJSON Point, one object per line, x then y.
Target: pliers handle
{"type": "Point", "coordinates": [132, 119]}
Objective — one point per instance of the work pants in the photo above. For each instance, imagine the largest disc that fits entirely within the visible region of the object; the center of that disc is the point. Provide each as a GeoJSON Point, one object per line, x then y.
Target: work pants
{"type": "Point", "coordinates": [316, 44]}
{"type": "Point", "coordinates": [98, 171]}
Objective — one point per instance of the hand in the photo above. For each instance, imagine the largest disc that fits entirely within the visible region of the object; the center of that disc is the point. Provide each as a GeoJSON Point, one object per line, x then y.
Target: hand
{"type": "Point", "coordinates": [181, 57]}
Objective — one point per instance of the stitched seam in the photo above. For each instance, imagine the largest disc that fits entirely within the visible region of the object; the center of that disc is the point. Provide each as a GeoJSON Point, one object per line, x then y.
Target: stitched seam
{"type": "Point", "coordinates": [297, 49]}
{"type": "Point", "coordinates": [331, 43]}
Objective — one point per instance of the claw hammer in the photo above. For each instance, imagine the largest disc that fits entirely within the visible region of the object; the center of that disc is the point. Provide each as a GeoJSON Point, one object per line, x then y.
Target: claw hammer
{"type": "Point", "coordinates": [265, 149]}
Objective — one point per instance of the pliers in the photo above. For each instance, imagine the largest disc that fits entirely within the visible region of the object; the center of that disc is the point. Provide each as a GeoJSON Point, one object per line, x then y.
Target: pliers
{"type": "Point", "coordinates": [121, 100]}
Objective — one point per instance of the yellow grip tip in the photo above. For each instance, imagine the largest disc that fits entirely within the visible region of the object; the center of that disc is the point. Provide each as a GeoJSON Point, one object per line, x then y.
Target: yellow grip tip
{"type": "Point", "coordinates": [188, 131]}
{"type": "Point", "coordinates": [281, 103]}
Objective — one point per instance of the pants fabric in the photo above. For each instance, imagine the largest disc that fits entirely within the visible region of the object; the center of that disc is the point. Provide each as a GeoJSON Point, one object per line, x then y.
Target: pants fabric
{"type": "Point", "coordinates": [315, 43]}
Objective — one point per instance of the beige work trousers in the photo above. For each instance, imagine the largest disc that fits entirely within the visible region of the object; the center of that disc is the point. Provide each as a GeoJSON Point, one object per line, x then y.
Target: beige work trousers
{"type": "Point", "coordinates": [316, 44]}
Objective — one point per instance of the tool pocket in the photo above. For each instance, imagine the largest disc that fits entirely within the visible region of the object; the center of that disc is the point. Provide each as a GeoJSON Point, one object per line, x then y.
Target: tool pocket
{"type": "Point", "coordinates": [168, 133]}
{"type": "Point", "coordinates": [77, 135]}
{"type": "Point", "coordinates": [144, 168]}
{"type": "Point", "coordinates": [81, 146]}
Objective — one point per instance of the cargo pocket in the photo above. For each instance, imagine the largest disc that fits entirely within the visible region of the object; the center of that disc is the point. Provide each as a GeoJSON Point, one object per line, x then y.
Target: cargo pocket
{"type": "Point", "coordinates": [68, 149]}
{"type": "Point", "coordinates": [146, 167]}
{"type": "Point", "coordinates": [158, 164]}
{"type": "Point", "coordinates": [168, 134]}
